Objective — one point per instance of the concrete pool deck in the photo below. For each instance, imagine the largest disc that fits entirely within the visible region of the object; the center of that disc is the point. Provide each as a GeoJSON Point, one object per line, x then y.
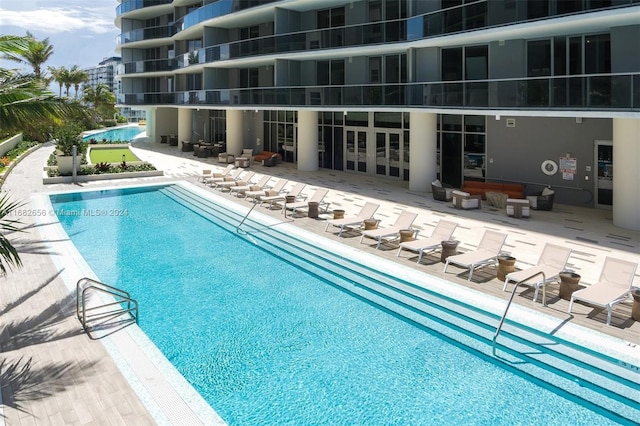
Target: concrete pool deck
{"type": "Point", "coordinates": [52, 373]}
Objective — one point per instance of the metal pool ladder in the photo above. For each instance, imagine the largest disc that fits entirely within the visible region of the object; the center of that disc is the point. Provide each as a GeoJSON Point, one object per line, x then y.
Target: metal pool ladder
{"type": "Point", "coordinates": [515, 287]}
{"type": "Point", "coordinates": [103, 311]}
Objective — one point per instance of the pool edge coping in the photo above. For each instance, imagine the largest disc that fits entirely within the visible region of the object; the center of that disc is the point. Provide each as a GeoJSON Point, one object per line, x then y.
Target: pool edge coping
{"type": "Point", "coordinates": [518, 313]}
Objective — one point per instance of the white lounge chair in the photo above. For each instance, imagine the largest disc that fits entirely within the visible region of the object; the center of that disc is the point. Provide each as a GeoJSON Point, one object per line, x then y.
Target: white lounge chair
{"type": "Point", "coordinates": [219, 175]}
{"type": "Point", "coordinates": [317, 197]}
{"type": "Point", "coordinates": [274, 199]}
{"type": "Point", "coordinates": [265, 191]}
{"type": "Point", "coordinates": [613, 287]}
{"type": "Point", "coordinates": [486, 253]}
{"type": "Point", "coordinates": [404, 221]}
{"type": "Point", "coordinates": [242, 189]}
{"type": "Point", "coordinates": [442, 232]}
{"type": "Point", "coordinates": [240, 180]}
{"type": "Point", "coordinates": [366, 212]}
{"type": "Point", "coordinates": [206, 174]}
{"type": "Point", "coordinates": [233, 175]}
{"type": "Point", "coordinates": [553, 260]}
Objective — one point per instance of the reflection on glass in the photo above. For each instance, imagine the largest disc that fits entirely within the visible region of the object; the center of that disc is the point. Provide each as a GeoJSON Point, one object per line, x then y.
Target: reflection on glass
{"type": "Point", "coordinates": [351, 150]}
{"type": "Point", "coordinates": [362, 151]}
{"type": "Point", "coordinates": [381, 157]}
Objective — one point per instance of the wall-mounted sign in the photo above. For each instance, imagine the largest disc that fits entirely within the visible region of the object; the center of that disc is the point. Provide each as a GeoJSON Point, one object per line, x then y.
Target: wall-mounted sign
{"type": "Point", "coordinates": [568, 167]}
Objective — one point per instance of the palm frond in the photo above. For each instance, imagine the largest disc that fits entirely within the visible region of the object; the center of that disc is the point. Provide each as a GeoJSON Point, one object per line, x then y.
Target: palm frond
{"type": "Point", "coordinates": [9, 256]}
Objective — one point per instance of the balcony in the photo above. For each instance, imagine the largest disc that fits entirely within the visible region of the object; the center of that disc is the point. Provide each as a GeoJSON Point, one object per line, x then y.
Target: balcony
{"type": "Point", "coordinates": [150, 33]}
{"type": "Point", "coordinates": [615, 93]}
{"type": "Point", "coordinates": [360, 35]}
{"type": "Point", "coordinates": [153, 65]}
{"type": "Point", "coordinates": [131, 5]}
{"type": "Point", "coordinates": [218, 9]}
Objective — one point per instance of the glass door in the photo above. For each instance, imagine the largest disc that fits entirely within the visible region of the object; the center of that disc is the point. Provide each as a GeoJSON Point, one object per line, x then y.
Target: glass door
{"type": "Point", "coordinates": [287, 141]}
{"type": "Point", "coordinates": [388, 154]}
{"type": "Point", "coordinates": [604, 180]}
{"type": "Point", "coordinates": [356, 150]}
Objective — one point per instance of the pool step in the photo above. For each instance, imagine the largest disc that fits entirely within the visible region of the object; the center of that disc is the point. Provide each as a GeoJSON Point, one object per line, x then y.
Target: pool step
{"type": "Point", "coordinates": [601, 383]}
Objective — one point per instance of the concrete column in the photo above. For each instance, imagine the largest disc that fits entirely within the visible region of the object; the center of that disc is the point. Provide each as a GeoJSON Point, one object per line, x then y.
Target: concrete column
{"type": "Point", "coordinates": [152, 134]}
{"type": "Point", "coordinates": [422, 151]}
{"type": "Point", "coordinates": [308, 141]}
{"type": "Point", "coordinates": [184, 124]}
{"type": "Point", "coordinates": [626, 176]}
{"type": "Point", "coordinates": [234, 131]}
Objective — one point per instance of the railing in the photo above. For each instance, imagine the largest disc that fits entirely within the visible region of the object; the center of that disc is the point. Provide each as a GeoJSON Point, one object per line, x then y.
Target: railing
{"type": "Point", "coordinates": [599, 92]}
{"type": "Point", "coordinates": [515, 287]}
{"type": "Point", "coordinates": [122, 300]}
{"type": "Point", "coordinates": [131, 5]}
{"type": "Point", "coordinates": [149, 33]}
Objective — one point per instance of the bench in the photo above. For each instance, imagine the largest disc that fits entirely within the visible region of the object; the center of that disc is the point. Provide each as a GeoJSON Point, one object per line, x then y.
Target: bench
{"type": "Point", "coordinates": [267, 155]}
{"type": "Point", "coordinates": [513, 190]}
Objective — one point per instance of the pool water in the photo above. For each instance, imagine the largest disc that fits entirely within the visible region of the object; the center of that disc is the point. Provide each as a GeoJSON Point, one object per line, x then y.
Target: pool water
{"type": "Point", "coordinates": [124, 133]}
{"type": "Point", "coordinates": [266, 342]}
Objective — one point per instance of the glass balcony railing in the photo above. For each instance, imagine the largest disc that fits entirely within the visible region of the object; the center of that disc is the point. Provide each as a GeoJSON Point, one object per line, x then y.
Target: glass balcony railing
{"type": "Point", "coordinates": [620, 92]}
{"type": "Point", "coordinates": [297, 42]}
{"type": "Point", "coordinates": [218, 9]}
{"type": "Point", "coordinates": [149, 33]}
{"type": "Point", "coordinates": [131, 5]}
{"type": "Point", "coordinates": [149, 66]}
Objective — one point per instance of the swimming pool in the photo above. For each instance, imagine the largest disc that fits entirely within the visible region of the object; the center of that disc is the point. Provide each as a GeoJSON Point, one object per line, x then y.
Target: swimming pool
{"type": "Point", "coordinates": [123, 133]}
{"type": "Point", "coordinates": [301, 362]}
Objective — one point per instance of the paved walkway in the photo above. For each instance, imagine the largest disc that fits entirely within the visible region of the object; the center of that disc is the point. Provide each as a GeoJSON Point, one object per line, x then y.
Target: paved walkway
{"type": "Point", "coordinates": [52, 373]}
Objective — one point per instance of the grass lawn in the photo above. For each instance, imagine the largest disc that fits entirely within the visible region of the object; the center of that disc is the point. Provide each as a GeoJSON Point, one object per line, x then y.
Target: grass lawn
{"type": "Point", "coordinates": [111, 155]}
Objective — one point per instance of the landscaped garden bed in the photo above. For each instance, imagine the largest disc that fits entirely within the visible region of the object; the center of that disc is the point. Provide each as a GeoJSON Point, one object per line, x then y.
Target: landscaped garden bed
{"type": "Point", "coordinates": [98, 168]}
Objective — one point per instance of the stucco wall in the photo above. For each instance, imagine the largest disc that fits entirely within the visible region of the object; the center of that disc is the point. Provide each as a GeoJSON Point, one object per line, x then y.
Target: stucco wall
{"type": "Point", "coordinates": [516, 153]}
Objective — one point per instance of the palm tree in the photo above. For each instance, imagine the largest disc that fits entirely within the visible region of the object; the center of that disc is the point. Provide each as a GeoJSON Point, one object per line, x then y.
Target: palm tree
{"type": "Point", "coordinates": [25, 101]}
{"type": "Point", "coordinates": [77, 77]}
{"type": "Point", "coordinates": [102, 99]}
{"type": "Point", "coordinates": [9, 256]}
{"type": "Point", "coordinates": [36, 54]}
{"type": "Point", "coordinates": [59, 75]}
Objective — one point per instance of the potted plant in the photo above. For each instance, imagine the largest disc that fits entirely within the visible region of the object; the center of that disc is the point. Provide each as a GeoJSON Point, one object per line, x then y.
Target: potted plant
{"type": "Point", "coordinates": [66, 136]}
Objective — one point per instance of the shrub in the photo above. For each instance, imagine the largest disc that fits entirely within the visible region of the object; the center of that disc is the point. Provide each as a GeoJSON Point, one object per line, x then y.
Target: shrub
{"type": "Point", "coordinates": [102, 168]}
{"type": "Point", "coordinates": [68, 135]}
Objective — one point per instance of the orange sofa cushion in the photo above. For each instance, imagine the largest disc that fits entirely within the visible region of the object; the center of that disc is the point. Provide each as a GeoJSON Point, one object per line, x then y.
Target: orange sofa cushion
{"type": "Point", "coordinates": [263, 156]}
{"type": "Point", "coordinates": [513, 190]}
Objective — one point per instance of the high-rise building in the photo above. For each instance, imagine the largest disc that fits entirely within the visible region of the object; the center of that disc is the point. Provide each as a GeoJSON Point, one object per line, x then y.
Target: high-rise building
{"type": "Point", "coordinates": [538, 92]}
{"type": "Point", "coordinates": [105, 73]}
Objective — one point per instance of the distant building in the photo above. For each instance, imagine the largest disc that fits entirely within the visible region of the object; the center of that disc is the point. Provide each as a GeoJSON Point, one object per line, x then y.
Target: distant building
{"type": "Point", "coordinates": [104, 73]}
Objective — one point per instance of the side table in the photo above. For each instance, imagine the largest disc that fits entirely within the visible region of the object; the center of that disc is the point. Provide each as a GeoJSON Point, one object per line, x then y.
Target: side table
{"type": "Point", "coordinates": [506, 265]}
{"type": "Point", "coordinates": [407, 235]}
{"type": "Point", "coordinates": [313, 212]}
{"type": "Point", "coordinates": [370, 224]}
{"type": "Point", "coordinates": [635, 308]}
{"type": "Point", "coordinates": [568, 284]}
{"type": "Point", "coordinates": [449, 248]}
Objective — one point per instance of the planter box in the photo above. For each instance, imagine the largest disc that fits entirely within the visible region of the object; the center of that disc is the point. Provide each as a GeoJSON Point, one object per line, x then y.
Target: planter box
{"type": "Point", "coordinates": [107, 176]}
{"type": "Point", "coordinates": [65, 164]}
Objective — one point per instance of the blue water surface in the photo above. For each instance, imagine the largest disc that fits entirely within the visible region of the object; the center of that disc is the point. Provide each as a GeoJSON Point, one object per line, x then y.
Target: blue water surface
{"type": "Point", "coordinates": [264, 342]}
{"type": "Point", "coordinates": [125, 133]}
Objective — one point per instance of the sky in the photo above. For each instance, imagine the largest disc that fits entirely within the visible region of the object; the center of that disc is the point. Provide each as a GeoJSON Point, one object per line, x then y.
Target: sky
{"type": "Point", "coordinates": [82, 32]}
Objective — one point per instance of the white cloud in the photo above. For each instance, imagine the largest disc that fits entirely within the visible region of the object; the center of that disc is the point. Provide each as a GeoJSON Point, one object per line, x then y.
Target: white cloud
{"type": "Point", "coordinates": [60, 20]}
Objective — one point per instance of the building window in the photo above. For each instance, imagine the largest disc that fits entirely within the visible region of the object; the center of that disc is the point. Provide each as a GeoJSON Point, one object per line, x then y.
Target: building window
{"type": "Point", "coordinates": [331, 18]}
